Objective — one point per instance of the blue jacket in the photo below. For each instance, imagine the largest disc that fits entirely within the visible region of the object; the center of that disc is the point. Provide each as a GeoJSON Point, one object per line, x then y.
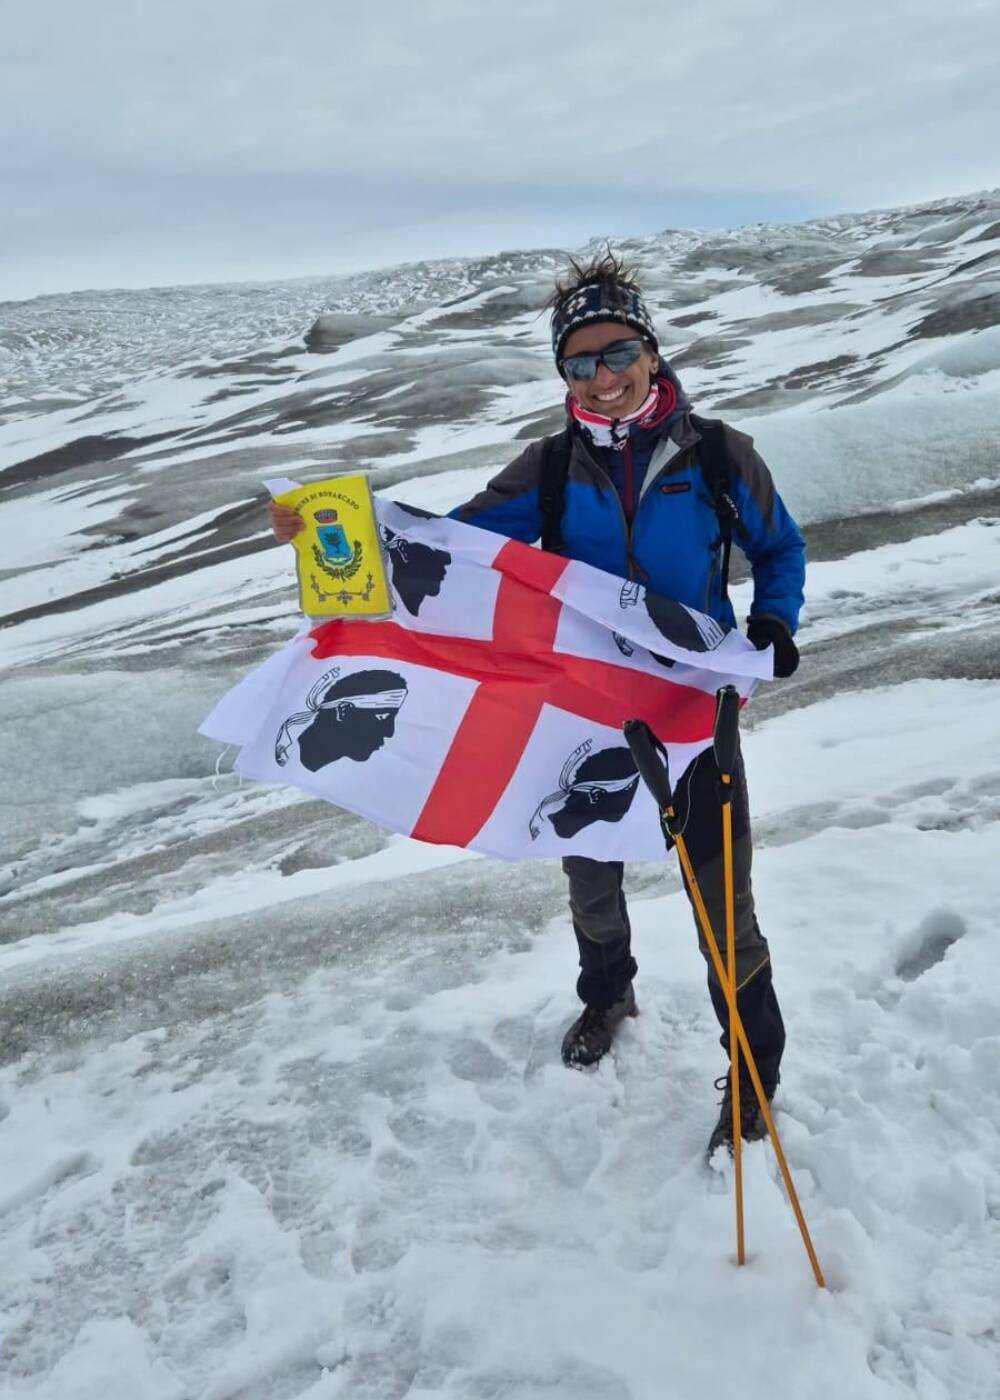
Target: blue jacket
{"type": "Point", "coordinates": [672, 544]}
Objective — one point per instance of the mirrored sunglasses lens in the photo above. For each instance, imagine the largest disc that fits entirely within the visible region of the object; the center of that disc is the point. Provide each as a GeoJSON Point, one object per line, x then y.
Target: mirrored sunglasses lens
{"type": "Point", "coordinates": [580, 366]}
{"type": "Point", "coordinates": [622, 356]}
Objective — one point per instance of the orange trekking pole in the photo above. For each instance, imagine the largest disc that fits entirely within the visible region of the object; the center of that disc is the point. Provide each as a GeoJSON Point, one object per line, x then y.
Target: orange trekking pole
{"type": "Point", "coordinates": [654, 772]}
{"type": "Point", "coordinates": [726, 743]}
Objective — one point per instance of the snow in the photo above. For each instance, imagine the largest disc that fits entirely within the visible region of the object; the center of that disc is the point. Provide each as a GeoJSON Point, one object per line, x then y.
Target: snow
{"type": "Point", "coordinates": [48, 526]}
{"type": "Point", "coordinates": [385, 1184]}
{"type": "Point", "coordinates": [932, 580]}
{"type": "Point", "coordinates": [282, 1115]}
{"type": "Point", "coordinates": [248, 892]}
{"type": "Point", "coordinates": [840, 462]}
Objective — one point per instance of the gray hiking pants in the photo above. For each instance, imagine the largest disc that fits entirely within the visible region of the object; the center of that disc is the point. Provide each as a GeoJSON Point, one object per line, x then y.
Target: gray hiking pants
{"type": "Point", "coordinates": [603, 932]}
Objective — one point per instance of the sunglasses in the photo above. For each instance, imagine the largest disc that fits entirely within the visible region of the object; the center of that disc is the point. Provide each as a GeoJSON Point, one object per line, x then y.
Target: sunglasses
{"type": "Point", "coordinates": [617, 356]}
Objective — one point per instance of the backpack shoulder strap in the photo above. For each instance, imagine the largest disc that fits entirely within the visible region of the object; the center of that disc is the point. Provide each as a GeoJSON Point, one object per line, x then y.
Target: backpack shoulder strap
{"type": "Point", "coordinates": [716, 469]}
{"type": "Point", "coordinates": [713, 455]}
{"type": "Point", "coordinates": [552, 488]}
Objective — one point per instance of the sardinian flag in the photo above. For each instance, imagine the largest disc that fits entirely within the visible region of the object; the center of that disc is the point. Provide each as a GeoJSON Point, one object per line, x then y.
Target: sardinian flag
{"type": "Point", "coordinates": [488, 711]}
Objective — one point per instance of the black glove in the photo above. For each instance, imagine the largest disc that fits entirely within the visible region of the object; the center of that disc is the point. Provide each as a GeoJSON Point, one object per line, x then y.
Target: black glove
{"type": "Point", "coordinates": [768, 631]}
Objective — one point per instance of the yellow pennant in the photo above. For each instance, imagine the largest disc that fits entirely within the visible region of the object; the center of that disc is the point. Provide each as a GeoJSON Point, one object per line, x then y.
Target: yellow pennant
{"type": "Point", "coordinates": [338, 556]}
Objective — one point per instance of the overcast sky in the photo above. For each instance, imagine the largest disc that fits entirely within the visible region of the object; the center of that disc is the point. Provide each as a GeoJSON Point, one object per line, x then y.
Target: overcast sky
{"type": "Point", "coordinates": [148, 143]}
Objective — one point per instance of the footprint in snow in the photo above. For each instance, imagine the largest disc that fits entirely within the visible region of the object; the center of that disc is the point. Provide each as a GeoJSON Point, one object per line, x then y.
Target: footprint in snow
{"type": "Point", "coordinates": [56, 1177]}
{"type": "Point", "coordinates": [931, 940]}
{"type": "Point", "coordinates": [475, 1062]}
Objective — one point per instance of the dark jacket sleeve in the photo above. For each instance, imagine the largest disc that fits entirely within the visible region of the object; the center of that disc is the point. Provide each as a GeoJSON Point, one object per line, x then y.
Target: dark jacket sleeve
{"type": "Point", "coordinates": [770, 538]}
{"type": "Point", "coordinates": [509, 505]}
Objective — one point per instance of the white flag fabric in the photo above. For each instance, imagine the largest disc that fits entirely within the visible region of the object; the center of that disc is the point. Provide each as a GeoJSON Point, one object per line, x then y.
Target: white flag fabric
{"type": "Point", "coordinates": [488, 711]}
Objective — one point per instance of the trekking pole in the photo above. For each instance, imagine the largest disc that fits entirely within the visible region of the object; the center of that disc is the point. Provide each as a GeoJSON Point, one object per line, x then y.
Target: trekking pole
{"type": "Point", "coordinates": [654, 772]}
{"type": "Point", "coordinates": [726, 741]}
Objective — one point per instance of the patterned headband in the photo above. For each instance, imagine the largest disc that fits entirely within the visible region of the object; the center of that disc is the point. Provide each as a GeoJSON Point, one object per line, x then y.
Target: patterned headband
{"type": "Point", "coordinates": [599, 302]}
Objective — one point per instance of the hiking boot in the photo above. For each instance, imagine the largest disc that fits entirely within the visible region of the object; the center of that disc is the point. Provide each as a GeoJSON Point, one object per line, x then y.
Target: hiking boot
{"type": "Point", "coordinates": [752, 1125]}
{"type": "Point", "coordinates": [590, 1035]}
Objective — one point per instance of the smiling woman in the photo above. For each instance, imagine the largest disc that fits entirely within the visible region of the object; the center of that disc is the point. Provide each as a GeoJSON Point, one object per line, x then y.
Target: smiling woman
{"type": "Point", "coordinates": [632, 501]}
{"type": "Point", "coordinates": [630, 497]}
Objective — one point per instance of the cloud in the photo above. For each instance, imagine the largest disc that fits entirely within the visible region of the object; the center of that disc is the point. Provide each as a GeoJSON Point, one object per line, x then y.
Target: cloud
{"type": "Point", "coordinates": [811, 107]}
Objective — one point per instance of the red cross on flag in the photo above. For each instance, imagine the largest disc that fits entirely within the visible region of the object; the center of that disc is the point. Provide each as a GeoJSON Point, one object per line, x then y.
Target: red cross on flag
{"type": "Point", "coordinates": [488, 711]}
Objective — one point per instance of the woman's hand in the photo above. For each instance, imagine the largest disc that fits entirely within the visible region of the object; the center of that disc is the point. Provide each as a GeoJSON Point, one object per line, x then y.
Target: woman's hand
{"type": "Point", "coordinates": [285, 523]}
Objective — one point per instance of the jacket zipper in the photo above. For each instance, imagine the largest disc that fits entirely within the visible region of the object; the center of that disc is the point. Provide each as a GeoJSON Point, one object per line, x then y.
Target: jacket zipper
{"type": "Point", "coordinates": [634, 567]}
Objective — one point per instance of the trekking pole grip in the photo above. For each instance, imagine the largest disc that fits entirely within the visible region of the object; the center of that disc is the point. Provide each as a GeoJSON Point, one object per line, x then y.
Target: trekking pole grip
{"type": "Point", "coordinates": [652, 766]}
{"type": "Point", "coordinates": [727, 728]}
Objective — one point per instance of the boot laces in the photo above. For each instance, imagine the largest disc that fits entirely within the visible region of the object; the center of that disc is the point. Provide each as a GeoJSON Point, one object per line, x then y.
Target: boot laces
{"type": "Point", "coordinates": [749, 1108]}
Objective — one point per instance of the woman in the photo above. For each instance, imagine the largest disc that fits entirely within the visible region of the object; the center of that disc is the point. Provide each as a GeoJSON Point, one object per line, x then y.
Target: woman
{"type": "Point", "coordinates": [635, 502]}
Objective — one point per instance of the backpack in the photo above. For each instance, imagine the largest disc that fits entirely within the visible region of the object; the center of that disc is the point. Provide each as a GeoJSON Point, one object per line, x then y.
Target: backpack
{"type": "Point", "coordinates": [716, 468]}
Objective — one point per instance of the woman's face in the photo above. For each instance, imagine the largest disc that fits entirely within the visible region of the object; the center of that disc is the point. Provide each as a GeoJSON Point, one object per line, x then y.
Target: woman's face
{"type": "Point", "coordinates": [613, 395]}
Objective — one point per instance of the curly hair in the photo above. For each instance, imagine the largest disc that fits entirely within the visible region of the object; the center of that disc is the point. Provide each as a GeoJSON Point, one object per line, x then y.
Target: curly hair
{"type": "Point", "coordinates": [606, 271]}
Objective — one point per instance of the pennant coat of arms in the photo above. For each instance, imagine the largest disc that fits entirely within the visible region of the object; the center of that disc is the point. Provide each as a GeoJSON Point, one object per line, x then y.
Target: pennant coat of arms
{"type": "Point", "coordinates": [339, 555]}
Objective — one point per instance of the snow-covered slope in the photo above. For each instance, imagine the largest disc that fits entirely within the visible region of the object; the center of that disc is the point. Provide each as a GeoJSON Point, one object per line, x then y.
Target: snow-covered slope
{"type": "Point", "coordinates": [281, 1113]}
